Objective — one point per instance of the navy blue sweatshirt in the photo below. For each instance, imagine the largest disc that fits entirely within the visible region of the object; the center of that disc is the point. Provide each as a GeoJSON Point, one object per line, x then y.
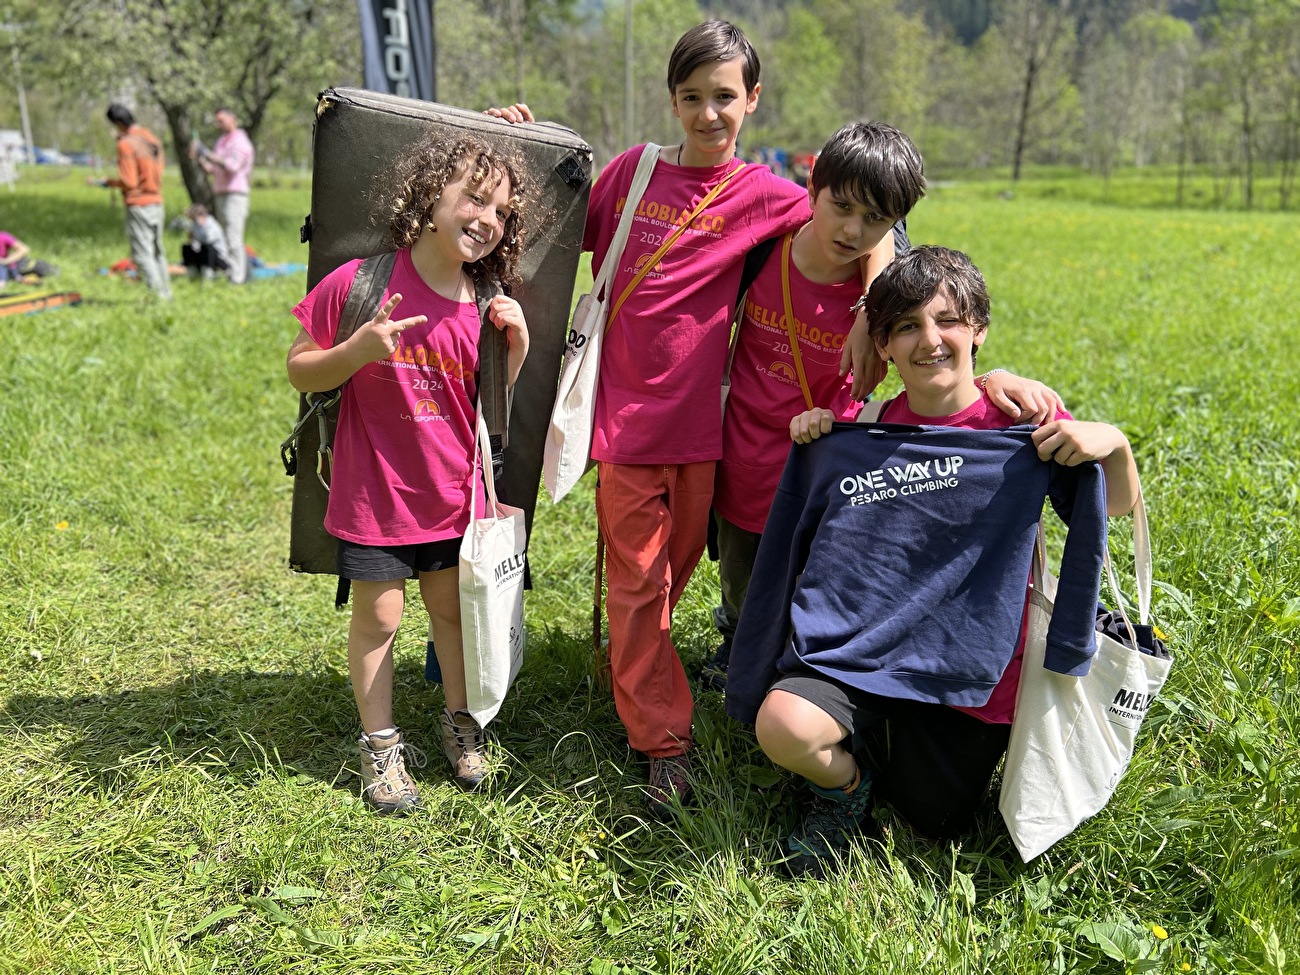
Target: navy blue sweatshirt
{"type": "Point", "coordinates": [895, 560]}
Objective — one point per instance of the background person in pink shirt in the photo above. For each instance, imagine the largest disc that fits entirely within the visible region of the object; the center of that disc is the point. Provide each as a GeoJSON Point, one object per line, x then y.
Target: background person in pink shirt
{"type": "Point", "coordinates": [230, 164]}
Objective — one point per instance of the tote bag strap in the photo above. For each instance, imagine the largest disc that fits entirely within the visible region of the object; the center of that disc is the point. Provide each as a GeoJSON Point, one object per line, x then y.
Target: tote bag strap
{"type": "Point", "coordinates": [482, 448]}
{"type": "Point", "coordinates": [789, 320]}
{"type": "Point", "coordinates": [649, 265]}
{"type": "Point", "coordinates": [1141, 569]}
{"type": "Point", "coordinates": [645, 168]}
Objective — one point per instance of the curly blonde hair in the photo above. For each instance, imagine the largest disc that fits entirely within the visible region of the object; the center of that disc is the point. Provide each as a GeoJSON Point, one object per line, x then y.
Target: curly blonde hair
{"type": "Point", "coordinates": [427, 167]}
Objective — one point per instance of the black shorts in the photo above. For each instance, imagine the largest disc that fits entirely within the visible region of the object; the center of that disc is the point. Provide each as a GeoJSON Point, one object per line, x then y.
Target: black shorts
{"type": "Point", "coordinates": [380, 563]}
{"type": "Point", "coordinates": [932, 763]}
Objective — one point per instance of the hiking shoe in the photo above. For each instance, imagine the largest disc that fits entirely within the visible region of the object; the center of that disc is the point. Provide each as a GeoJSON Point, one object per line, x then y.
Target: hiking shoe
{"type": "Point", "coordinates": [465, 745]}
{"type": "Point", "coordinates": [832, 821]}
{"type": "Point", "coordinates": [714, 675]}
{"type": "Point", "coordinates": [669, 780]}
{"type": "Point", "coordinates": [385, 782]}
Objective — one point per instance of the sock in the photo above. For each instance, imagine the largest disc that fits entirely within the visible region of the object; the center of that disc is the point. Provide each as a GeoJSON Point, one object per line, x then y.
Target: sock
{"type": "Point", "coordinates": [382, 733]}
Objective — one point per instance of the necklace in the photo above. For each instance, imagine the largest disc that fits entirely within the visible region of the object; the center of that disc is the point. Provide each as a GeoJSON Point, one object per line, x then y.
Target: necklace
{"type": "Point", "coordinates": [679, 152]}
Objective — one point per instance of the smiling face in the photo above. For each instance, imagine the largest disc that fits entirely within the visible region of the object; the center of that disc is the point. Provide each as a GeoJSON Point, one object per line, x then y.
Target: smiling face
{"type": "Point", "coordinates": [712, 103]}
{"type": "Point", "coordinates": [470, 216]}
{"type": "Point", "coordinates": [844, 228]}
{"type": "Point", "coordinates": [931, 346]}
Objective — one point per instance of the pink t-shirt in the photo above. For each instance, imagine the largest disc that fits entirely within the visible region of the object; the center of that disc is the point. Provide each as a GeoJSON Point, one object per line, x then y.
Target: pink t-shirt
{"type": "Point", "coordinates": [662, 360]}
{"type": "Point", "coordinates": [982, 415]}
{"type": "Point", "coordinates": [233, 157]}
{"type": "Point", "coordinates": [765, 391]}
{"type": "Point", "coordinates": [7, 241]}
{"type": "Point", "coordinates": [403, 451]}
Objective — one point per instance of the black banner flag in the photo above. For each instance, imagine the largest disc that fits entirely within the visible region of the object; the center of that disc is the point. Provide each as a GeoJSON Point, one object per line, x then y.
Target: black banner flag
{"type": "Point", "coordinates": [397, 43]}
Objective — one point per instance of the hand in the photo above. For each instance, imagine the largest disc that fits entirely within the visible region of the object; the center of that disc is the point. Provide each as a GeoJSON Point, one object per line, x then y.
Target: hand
{"type": "Point", "coordinates": [376, 340]}
{"type": "Point", "coordinates": [1027, 400]}
{"type": "Point", "coordinates": [811, 424]}
{"type": "Point", "coordinates": [514, 114]}
{"type": "Point", "coordinates": [1074, 442]}
{"type": "Point", "coordinates": [860, 358]}
{"type": "Point", "coordinates": [505, 313]}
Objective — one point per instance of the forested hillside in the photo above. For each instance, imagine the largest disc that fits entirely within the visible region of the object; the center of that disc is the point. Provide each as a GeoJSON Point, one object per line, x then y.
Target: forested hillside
{"type": "Point", "coordinates": [1190, 85]}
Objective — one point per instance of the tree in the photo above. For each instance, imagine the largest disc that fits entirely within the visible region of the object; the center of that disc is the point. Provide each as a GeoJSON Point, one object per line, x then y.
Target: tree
{"type": "Point", "coordinates": [1039, 35]}
{"type": "Point", "coordinates": [801, 86]}
{"type": "Point", "coordinates": [189, 57]}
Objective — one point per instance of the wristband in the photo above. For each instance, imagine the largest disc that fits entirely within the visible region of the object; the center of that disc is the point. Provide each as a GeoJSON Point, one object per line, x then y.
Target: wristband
{"type": "Point", "coordinates": [984, 379]}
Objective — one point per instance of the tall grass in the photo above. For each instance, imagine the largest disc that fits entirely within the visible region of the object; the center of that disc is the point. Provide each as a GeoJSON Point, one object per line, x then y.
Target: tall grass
{"type": "Point", "coordinates": [179, 794]}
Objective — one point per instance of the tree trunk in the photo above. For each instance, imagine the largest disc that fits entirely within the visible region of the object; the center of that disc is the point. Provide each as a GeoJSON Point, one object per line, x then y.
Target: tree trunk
{"type": "Point", "coordinates": [1022, 123]}
{"type": "Point", "coordinates": [196, 180]}
{"type": "Point", "coordinates": [1247, 148]}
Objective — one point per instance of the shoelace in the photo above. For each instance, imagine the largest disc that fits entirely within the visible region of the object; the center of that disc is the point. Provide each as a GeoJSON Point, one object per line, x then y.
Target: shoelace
{"type": "Point", "coordinates": [466, 738]}
{"type": "Point", "coordinates": [385, 757]}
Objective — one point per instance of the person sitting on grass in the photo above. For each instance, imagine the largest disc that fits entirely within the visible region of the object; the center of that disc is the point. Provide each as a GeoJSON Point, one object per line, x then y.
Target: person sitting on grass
{"type": "Point", "coordinates": [205, 252]}
{"type": "Point", "coordinates": [16, 263]}
{"type": "Point", "coordinates": [888, 601]}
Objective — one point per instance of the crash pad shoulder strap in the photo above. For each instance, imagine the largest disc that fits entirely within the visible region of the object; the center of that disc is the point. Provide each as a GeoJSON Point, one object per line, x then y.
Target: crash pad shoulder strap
{"type": "Point", "coordinates": [366, 294]}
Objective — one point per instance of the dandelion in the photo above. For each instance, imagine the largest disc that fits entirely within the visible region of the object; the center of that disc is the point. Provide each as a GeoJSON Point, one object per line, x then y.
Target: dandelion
{"type": "Point", "coordinates": [1160, 634]}
{"type": "Point", "coordinates": [61, 526]}
{"type": "Point", "coordinates": [1159, 932]}
{"type": "Point", "coordinates": [1184, 967]}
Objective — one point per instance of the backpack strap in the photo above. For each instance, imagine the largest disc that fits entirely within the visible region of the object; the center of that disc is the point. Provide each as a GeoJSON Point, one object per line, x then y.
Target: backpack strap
{"type": "Point", "coordinates": [493, 375]}
{"type": "Point", "coordinates": [754, 262]}
{"type": "Point", "coordinates": [493, 366]}
{"type": "Point", "coordinates": [366, 295]}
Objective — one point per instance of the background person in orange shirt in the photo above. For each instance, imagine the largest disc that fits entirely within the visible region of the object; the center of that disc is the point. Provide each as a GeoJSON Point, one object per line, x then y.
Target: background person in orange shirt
{"type": "Point", "coordinates": [139, 177]}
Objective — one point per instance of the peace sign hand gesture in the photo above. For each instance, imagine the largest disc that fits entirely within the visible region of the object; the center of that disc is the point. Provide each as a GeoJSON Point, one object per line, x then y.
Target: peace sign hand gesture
{"type": "Point", "coordinates": [376, 340]}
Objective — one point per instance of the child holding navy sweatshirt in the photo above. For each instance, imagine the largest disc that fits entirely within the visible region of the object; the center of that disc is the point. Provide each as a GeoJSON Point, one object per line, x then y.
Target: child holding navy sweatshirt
{"type": "Point", "coordinates": [889, 590]}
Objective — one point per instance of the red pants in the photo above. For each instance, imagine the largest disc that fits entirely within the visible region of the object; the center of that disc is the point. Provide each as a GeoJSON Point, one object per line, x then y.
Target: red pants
{"type": "Point", "coordinates": [655, 520]}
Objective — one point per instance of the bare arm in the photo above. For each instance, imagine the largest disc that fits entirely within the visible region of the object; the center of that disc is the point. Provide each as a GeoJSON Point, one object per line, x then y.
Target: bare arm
{"type": "Point", "coordinates": [1026, 400]}
{"type": "Point", "coordinates": [313, 369]}
{"type": "Point", "coordinates": [17, 252]}
{"type": "Point", "coordinates": [1072, 442]}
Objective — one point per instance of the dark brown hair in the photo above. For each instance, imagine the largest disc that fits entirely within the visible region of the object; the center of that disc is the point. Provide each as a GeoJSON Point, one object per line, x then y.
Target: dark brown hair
{"type": "Point", "coordinates": [713, 40]}
{"type": "Point", "coordinates": [908, 282]}
{"type": "Point", "coordinates": [871, 161]}
{"type": "Point", "coordinates": [435, 160]}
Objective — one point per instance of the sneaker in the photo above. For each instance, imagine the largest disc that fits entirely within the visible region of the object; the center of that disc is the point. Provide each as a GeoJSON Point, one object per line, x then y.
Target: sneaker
{"type": "Point", "coordinates": [829, 826]}
{"type": "Point", "coordinates": [669, 781]}
{"type": "Point", "coordinates": [714, 675]}
{"type": "Point", "coordinates": [385, 782]}
{"type": "Point", "coordinates": [465, 745]}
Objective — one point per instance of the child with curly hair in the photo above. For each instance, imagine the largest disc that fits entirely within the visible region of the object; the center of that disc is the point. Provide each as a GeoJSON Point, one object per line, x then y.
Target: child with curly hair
{"type": "Point", "coordinates": [404, 449]}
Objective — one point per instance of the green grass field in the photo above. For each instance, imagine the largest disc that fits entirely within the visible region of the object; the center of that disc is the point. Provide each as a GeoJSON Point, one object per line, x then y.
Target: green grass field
{"type": "Point", "coordinates": [177, 795]}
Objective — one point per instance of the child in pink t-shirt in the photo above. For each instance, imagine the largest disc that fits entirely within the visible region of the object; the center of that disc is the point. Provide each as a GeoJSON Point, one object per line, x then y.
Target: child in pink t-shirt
{"type": "Point", "coordinates": [929, 316]}
{"type": "Point", "coordinates": [658, 428]}
{"type": "Point", "coordinates": [404, 449]}
{"type": "Point", "coordinates": [868, 177]}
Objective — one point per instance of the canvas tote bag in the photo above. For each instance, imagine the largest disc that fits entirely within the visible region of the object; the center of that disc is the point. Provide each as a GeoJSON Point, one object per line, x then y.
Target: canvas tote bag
{"type": "Point", "coordinates": [566, 453]}
{"type": "Point", "coordinates": [1072, 737]}
{"type": "Point", "coordinates": [491, 591]}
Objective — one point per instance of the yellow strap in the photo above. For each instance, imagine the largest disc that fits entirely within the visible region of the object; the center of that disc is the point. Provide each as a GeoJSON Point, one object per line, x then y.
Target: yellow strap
{"type": "Point", "coordinates": [789, 319]}
{"type": "Point", "coordinates": [649, 265]}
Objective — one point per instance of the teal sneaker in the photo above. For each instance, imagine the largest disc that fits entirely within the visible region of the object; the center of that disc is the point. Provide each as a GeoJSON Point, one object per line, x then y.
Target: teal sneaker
{"type": "Point", "coordinates": [830, 825]}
